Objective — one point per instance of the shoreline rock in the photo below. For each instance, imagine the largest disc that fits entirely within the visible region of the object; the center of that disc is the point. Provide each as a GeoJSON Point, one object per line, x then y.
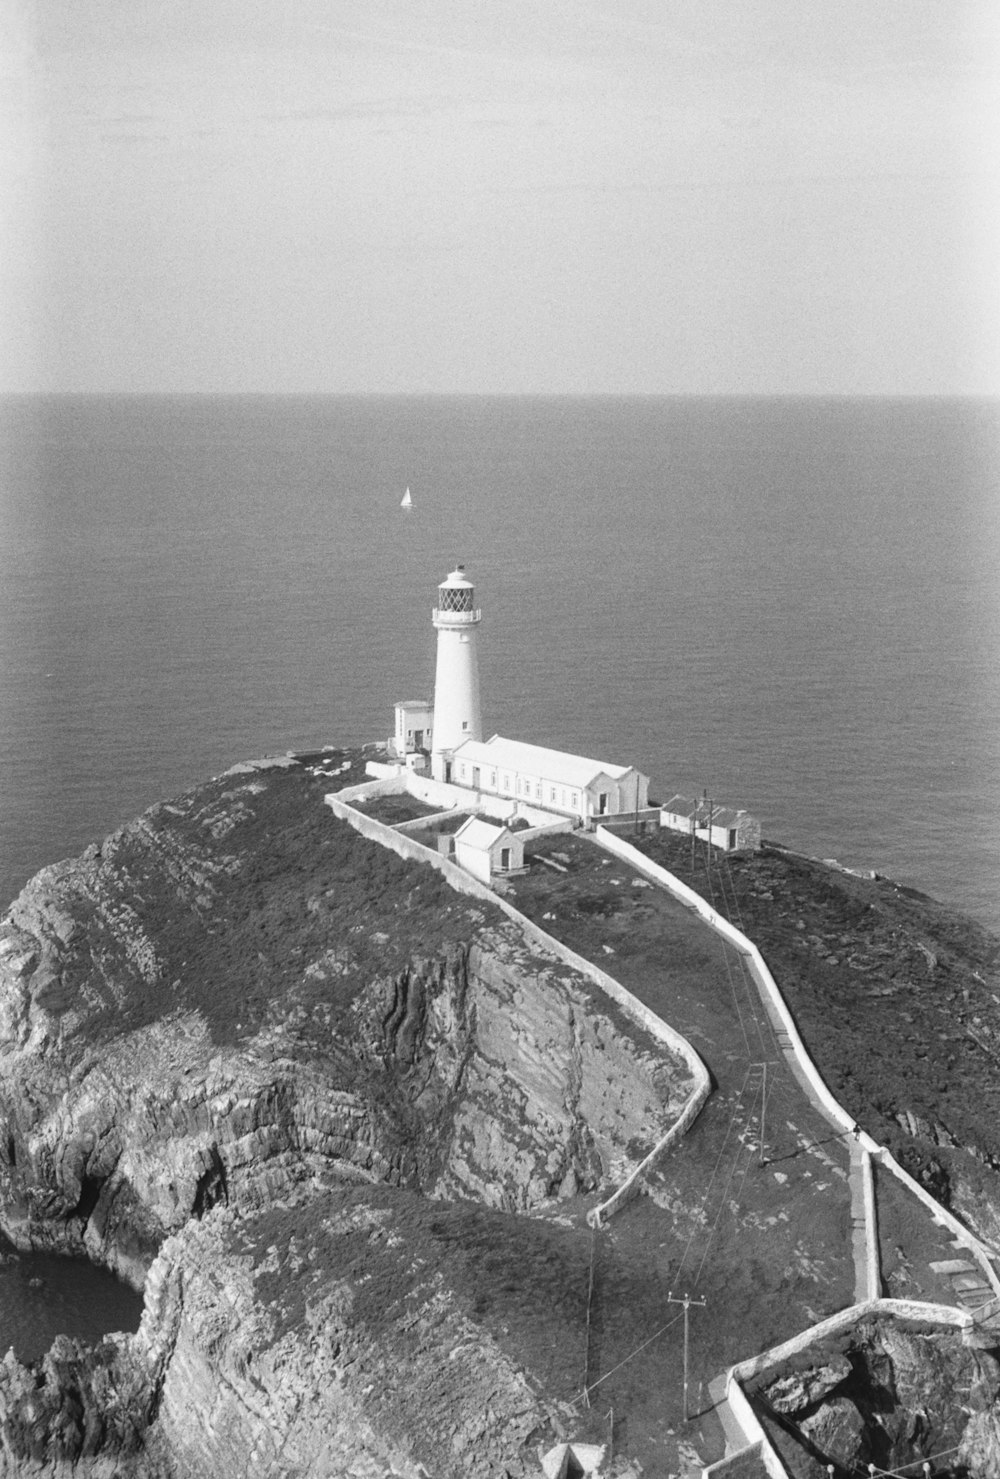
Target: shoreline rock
{"type": "Point", "coordinates": [341, 1124]}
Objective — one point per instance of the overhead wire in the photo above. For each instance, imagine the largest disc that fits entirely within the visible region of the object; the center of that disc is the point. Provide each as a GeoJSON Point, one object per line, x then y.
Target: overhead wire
{"type": "Point", "coordinates": [725, 1191]}
{"type": "Point", "coordinates": [900, 1473]}
{"type": "Point", "coordinates": [655, 1336]}
{"type": "Point", "coordinates": [715, 1168]}
{"type": "Point", "coordinates": [752, 990]}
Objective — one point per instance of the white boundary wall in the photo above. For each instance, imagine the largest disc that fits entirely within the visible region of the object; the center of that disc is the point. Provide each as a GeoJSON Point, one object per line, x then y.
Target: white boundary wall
{"type": "Point", "coordinates": [874, 1258]}
{"type": "Point", "coordinates": [448, 796]}
{"type": "Point", "coordinates": [899, 1309]}
{"type": "Point", "coordinates": [408, 847]}
{"type": "Point", "coordinates": [831, 1107]}
{"type": "Point", "coordinates": [598, 1216]}
{"type": "Point", "coordinates": [417, 824]}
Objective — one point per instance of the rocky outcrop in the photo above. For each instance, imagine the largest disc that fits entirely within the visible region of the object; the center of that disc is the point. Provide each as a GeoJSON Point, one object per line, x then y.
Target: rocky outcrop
{"type": "Point", "coordinates": [335, 1335]}
{"type": "Point", "coordinates": [236, 1006]}
{"type": "Point", "coordinates": [129, 1104]}
{"type": "Point", "coordinates": [888, 1397]}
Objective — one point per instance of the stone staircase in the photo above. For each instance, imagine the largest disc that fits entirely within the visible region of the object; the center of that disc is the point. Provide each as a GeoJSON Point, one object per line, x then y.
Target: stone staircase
{"type": "Point", "coordinates": [973, 1292]}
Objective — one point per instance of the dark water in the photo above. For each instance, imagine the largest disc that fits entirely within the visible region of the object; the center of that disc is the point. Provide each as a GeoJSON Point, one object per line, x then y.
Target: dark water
{"type": "Point", "coordinates": [791, 603]}
{"type": "Point", "coordinates": [42, 1296]}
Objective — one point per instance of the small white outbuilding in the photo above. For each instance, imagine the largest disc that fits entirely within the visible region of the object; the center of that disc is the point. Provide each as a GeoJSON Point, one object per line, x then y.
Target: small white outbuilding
{"type": "Point", "coordinates": [723, 826]}
{"type": "Point", "coordinates": [414, 727]}
{"type": "Point", "coordinates": [486, 850]}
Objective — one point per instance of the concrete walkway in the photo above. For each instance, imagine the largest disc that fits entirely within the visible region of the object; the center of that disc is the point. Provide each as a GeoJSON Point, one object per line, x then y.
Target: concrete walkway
{"type": "Point", "coordinates": [864, 1275]}
{"type": "Point", "coordinates": [864, 1248]}
{"type": "Point", "coordinates": [862, 1237]}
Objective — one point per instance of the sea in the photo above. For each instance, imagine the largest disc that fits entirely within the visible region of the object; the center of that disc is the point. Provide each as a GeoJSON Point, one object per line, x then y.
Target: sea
{"type": "Point", "coordinates": [790, 604]}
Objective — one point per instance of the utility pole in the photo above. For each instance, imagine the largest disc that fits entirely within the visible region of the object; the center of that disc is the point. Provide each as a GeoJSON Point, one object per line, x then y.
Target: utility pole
{"type": "Point", "coordinates": [762, 1159]}
{"type": "Point", "coordinates": [687, 1302]}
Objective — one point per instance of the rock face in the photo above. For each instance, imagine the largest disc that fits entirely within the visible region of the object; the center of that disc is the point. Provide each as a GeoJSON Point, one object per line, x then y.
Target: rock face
{"type": "Point", "coordinates": [342, 1333]}
{"type": "Point", "coordinates": [235, 1003]}
{"type": "Point", "coordinates": [887, 1398]}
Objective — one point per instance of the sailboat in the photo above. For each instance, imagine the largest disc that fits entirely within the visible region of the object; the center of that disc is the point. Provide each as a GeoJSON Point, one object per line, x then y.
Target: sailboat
{"type": "Point", "coordinates": [407, 501]}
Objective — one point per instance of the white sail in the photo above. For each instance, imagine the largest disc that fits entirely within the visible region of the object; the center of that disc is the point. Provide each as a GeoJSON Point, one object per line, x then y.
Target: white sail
{"type": "Point", "coordinates": [407, 501]}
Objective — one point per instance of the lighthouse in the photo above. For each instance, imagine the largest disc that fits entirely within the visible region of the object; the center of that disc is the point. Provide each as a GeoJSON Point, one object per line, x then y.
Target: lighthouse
{"type": "Point", "coordinates": [456, 683]}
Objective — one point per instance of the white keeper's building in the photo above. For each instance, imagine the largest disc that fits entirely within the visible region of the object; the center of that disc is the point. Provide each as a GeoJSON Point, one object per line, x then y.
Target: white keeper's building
{"type": "Point", "coordinates": [550, 779]}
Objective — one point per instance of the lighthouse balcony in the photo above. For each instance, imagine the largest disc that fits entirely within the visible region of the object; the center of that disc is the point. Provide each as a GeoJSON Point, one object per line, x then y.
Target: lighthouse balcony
{"type": "Point", "coordinates": [442, 617]}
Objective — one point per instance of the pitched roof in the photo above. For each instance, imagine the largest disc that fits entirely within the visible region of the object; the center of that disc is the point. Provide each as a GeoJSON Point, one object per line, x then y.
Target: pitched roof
{"type": "Point", "coordinates": [554, 765]}
{"type": "Point", "coordinates": [722, 816]}
{"type": "Point", "coordinates": [479, 833]}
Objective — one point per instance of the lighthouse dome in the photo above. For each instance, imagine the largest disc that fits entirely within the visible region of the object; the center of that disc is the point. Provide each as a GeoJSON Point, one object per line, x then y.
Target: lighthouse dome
{"type": "Point", "coordinates": [457, 579]}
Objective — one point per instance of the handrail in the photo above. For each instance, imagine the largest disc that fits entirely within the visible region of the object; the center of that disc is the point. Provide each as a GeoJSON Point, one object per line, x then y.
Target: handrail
{"type": "Point", "coordinates": [455, 618]}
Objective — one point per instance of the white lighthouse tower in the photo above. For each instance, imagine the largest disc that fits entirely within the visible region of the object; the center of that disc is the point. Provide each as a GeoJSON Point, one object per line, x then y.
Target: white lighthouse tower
{"type": "Point", "coordinates": [456, 683]}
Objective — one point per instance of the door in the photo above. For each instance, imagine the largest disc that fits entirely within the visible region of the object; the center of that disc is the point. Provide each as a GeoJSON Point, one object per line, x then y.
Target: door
{"type": "Point", "coordinates": [475, 777]}
{"type": "Point", "coordinates": [602, 803]}
{"type": "Point", "coordinates": [505, 860]}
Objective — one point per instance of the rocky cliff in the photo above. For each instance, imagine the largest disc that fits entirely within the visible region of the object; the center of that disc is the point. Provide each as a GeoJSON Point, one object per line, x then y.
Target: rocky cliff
{"type": "Point", "coordinates": [236, 1005]}
{"type": "Point", "coordinates": [346, 1125]}
{"type": "Point", "coordinates": [887, 1394]}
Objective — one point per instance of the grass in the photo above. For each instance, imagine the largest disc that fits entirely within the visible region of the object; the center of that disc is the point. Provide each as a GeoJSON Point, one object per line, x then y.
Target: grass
{"type": "Point", "coordinates": [289, 912]}
{"type": "Point", "coordinates": [265, 909]}
{"type": "Point", "coordinates": [865, 963]}
{"type": "Point", "coordinates": [767, 1246]}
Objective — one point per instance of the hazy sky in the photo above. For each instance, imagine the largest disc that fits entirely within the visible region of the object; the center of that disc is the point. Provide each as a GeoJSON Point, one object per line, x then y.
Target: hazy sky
{"type": "Point", "coordinates": [501, 195]}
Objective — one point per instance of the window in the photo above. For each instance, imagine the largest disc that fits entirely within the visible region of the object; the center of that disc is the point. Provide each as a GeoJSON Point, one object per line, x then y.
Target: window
{"type": "Point", "coordinates": [493, 778]}
{"type": "Point", "coordinates": [573, 800]}
{"type": "Point", "coordinates": [552, 793]}
{"type": "Point", "coordinates": [465, 723]}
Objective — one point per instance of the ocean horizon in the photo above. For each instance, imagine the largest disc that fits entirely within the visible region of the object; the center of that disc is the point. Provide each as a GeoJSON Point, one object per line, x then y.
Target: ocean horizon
{"type": "Point", "coordinates": [789, 602]}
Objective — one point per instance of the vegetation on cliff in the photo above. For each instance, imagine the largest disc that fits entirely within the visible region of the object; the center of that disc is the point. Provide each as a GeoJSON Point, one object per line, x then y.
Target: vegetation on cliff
{"type": "Point", "coordinates": [318, 1091]}
{"type": "Point", "coordinates": [234, 1007]}
{"type": "Point", "coordinates": [896, 996]}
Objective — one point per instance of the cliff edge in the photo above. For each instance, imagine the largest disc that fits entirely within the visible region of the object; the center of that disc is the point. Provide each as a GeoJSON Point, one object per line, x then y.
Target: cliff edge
{"type": "Point", "coordinates": [302, 1086]}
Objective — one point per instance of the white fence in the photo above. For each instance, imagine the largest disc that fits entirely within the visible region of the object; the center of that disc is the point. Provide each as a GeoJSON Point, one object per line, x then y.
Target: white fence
{"type": "Point", "coordinates": [407, 847]}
